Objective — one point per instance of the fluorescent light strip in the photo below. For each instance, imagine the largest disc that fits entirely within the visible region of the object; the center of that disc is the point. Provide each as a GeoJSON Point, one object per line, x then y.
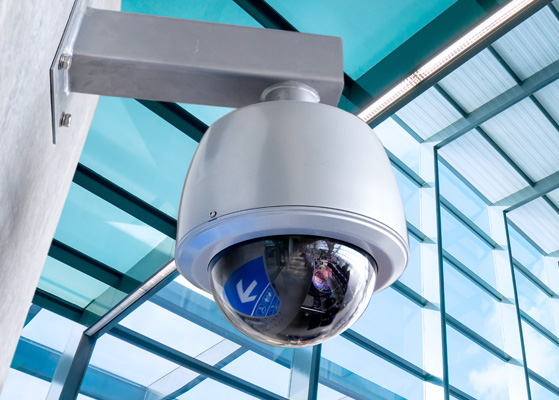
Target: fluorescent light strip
{"type": "Point", "coordinates": [478, 33]}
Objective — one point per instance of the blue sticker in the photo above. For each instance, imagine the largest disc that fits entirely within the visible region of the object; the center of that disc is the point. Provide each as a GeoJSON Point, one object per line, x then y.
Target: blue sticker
{"type": "Point", "coordinates": [249, 291]}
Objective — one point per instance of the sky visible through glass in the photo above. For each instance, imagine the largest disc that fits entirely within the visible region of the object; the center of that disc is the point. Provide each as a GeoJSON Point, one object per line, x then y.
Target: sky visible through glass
{"type": "Point", "coordinates": [392, 352]}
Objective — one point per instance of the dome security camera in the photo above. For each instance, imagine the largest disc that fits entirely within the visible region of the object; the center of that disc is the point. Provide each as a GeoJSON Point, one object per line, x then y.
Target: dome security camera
{"type": "Point", "coordinates": [291, 216]}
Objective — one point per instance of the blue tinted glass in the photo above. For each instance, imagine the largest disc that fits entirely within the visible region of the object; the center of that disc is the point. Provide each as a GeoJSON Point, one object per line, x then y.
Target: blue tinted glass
{"type": "Point", "coordinates": [399, 142]}
{"type": "Point", "coordinates": [541, 354]}
{"type": "Point", "coordinates": [464, 245]}
{"type": "Point", "coordinates": [104, 232]}
{"type": "Point", "coordinates": [527, 254]}
{"type": "Point", "coordinates": [410, 197]}
{"type": "Point", "coordinates": [70, 284]}
{"type": "Point", "coordinates": [412, 275]}
{"type": "Point", "coordinates": [22, 386]}
{"type": "Point", "coordinates": [472, 306]}
{"type": "Point", "coordinates": [395, 323]}
{"type": "Point", "coordinates": [370, 31]}
{"type": "Point", "coordinates": [210, 389]}
{"type": "Point", "coordinates": [223, 11]}
{"type": "Point", "coordinates": [207, 114]}
{"type": "Point", "coordinates": [463, 198]}
{"type": "Point", "coordinates": [204, 327]}
{"type": "Point", "coordinates": [139, 151]}
{"type": "Point", "coordinates": [37, 356]}
{"type": "Point", "coordinates": [538, 392]}
{"type": "Point", "coordinates": [474, 370]}
{"type": "Point", "coordinates": [348, 367]}
{"type": "Point", "coordinates": [535, 302]}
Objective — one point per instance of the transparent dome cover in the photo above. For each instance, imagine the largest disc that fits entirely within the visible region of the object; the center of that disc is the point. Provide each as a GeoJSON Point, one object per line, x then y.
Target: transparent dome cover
{"type": "Point", "coordinates": [292, 291]}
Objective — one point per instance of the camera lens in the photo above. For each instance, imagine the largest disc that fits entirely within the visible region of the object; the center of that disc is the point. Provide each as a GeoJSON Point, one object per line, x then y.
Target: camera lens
{"type": "Point", "coordinates": [292, 291]}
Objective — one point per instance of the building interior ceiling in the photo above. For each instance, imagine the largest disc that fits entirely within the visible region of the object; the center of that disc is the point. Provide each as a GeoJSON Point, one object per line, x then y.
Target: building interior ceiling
{"type": "Point", "coordinates": [495, 119]}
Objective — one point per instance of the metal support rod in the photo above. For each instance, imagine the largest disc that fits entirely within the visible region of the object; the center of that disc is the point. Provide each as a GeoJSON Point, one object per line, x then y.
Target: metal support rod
{"type": "Point", "coordinates": [78, 368]}
{"type": "Point", "coordinates": [169, 59]}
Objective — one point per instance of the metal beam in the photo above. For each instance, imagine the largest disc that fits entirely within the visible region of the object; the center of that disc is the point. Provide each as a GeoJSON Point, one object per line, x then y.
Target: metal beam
{"type": "Point", "coordinates": [500, 103]}
{"type": "Point", "coordinates": [57, 305]}
{"type": "Point", "coordinates": [385, 354]}
{"type": "Point", "coordinates": [83, 263]}
{"type": "Point", "coordinates": [33, 311]}
{"type": "Point", "coordinates": [77, 370]}
{"type": "Point", "coordinates": [127, 202]}
{"type": "Point", "coordinates": [170, 59]}
{"type": "Point", "coordinates": [472, 227]}
{"type": "Point", "coordinates": [409, 294]}
{"type": "Point", "coordinates": [200, 378]}
{"type": "Point", "coordinates": [201, 311]}
{"type": "Point", "coordinates": [186, 361]}
{"type": "Point", "coordinates": [464, 270]}
{"type": "Point", "coordinates": [178, 117]}
{"type": "Point", "coordinates": [533, 278]}
{"type": "Point", "coordinates": [476, 338]}
{"type": "Point", "coordinates": [157, 281]}
{"type": "Point", "coordinates": [40, 361]}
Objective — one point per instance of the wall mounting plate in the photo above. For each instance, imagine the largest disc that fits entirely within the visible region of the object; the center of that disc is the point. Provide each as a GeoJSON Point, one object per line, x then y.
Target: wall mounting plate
{"type": "Point", "coordinates": [60, 93]}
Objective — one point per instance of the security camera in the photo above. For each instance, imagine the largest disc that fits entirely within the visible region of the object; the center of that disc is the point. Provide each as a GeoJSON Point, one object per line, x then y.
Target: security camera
{"type": "Point", "coordinates": [291, 216]}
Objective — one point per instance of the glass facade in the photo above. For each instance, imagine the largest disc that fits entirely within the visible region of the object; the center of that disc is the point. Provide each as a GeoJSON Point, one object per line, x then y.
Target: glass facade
{"type": "Point", "coordinates": [474, 316]}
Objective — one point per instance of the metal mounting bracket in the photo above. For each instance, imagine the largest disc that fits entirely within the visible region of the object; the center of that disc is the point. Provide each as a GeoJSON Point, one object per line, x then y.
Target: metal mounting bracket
{"type": "Point", "coordinates": [147, 57]}
{"type": "Point", "coordinates": [60, 93]}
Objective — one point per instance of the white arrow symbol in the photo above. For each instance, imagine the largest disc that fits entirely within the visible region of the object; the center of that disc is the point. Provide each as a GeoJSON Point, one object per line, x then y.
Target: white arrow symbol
{"type": "Point", "coordinates": [244, 295]}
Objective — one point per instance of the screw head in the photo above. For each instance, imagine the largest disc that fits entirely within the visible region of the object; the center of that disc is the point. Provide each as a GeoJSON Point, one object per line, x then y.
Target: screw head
{"type": "Point", "coordinates": [213, 214]}
{"type": "Point", "coordinates": [65, 120]}
{"type": "Point", "coordinates": [65, 61]}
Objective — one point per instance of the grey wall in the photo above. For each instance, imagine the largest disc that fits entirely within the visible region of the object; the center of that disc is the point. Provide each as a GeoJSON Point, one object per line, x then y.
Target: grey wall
{"type": "Point", "coordinates": [35, 175]}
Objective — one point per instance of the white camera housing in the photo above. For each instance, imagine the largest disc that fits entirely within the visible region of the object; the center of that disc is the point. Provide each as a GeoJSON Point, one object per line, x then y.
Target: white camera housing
{"type": "Point", "coordinates": [290, 168]}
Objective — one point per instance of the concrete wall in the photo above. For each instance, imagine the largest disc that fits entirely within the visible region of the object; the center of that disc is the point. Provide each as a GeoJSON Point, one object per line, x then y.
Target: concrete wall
{"type": "Point", "coordinates": [35, 175]}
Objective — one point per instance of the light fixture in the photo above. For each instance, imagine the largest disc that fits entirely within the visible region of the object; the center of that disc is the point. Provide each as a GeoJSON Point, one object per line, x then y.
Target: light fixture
{"type": "Point", "coordinates": [446, 56]}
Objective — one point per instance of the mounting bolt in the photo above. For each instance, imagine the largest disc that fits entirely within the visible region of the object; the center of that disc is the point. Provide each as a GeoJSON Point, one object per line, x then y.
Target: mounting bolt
{"type": "Point", "coordinates": [65, 120]}
{"type": "Point", "coordinates": [65, 61]}
{"type": "Point", "coordinates": [213, 214]}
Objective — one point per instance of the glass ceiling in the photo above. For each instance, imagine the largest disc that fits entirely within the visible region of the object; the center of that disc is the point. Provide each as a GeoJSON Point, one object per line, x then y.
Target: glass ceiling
{"type": "Point", "coordinates": [491, 332]}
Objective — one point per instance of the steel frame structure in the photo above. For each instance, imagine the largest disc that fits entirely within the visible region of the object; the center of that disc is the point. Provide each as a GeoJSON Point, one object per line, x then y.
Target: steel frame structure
{"type": "Point", "coordinates": [317, 370]}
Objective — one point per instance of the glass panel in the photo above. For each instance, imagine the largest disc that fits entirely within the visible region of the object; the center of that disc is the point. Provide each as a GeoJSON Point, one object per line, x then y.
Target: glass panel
{"type": "Point", "coordinates": [185, 336]}
{"type": "Point", "coordinates": [326, 393]}
{"type": "Point", "coordinates": [395, 323]}
{"type": "Point", "coordinates": [541, 354]}
{"type": "Point", "coordinates": [538, 392]}
{"type": "Point", "coordinates": [412, 275]}
{"type": "Point", "coordinates": [410, 197]}
{"type": "Point", "coordinates": [202, 322]}
{"type": "Point", "coordinates": [127, 361]}
{"type": "Point", "coordinates": [207, 114]}
{"type": "Point", "coordinates": [210, 389]}
{"type": "Point", "coordinates": [527, 254]}
{"type": "Point", "coordinates": [399, 142]}
{"type": "Point", "coordinates": [472, 306]}
{"type": "Point", "coordinates": [70, 284]}
{"type": "Point", "coordinates": [140, 152]}
{"type": "Point", "coordinates": [171, 329]}
{"type": "Point", "coordinates": [104, 232]}
{"type": "Point", "coordinates": [37, 355]}
{"type": "Point", "coordinates": [474, 370]}
{"type": "Point", "coordinates": [262, 372]}
{"type": "Point", "coordinates": [465, 246]}
{"type": "Point", "coordinates": [356, 372]}
{"type": "Point", "coordinates": [463, 198]}
{"type": "Point", "coordinates": [22, 386]}
{"type": "Point", "coordinates": [49, 329]}
{"type": "Point", "coordinates": [224, 11]}
{"type": "Point", "coordinates": [535, 302]}
{"type": "Point", "coordinates": [370, 31]}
